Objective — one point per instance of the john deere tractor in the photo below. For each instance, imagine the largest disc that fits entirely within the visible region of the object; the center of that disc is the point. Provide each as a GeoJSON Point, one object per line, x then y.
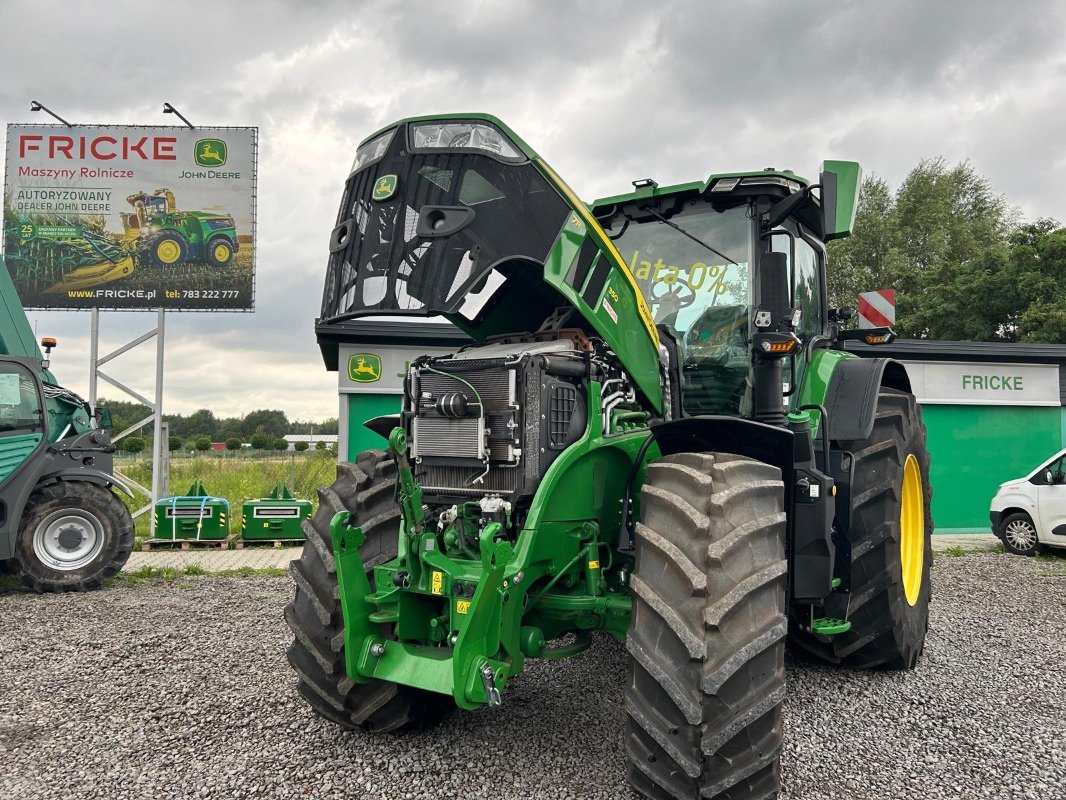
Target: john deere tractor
{"type": "Point", "coordinates": [169, 237]}
{"type": "Point", "coordinates": [657, 436]}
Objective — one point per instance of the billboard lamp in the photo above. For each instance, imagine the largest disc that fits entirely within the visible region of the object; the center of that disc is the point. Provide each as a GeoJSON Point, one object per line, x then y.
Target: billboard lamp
{"type": "Point", "coordinates": [36, 106]}
{"type": "Point", "coordinates": [169, 109]}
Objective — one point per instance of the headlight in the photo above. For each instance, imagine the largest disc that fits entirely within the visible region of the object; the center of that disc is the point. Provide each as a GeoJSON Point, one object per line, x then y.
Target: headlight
{"type": "Point", "coordinates": [371, 151]}
{"type": "Point", "coordinates": [463, 136]}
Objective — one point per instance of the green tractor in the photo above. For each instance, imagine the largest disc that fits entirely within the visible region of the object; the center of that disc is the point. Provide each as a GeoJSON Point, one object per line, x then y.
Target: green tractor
{"type": "Point", "coordinates": [62, 526]}
{"type": "Point", "coordinates": [656, 436]}
{"type": "Point", "coordinates": [168, 237]}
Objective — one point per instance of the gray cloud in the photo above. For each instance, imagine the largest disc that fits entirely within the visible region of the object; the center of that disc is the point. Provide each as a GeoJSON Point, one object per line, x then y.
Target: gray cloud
{"type": "Point", "coordinates": [606, 91]}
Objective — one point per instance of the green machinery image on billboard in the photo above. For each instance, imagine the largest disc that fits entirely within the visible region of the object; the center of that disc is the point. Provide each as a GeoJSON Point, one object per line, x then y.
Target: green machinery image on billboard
{"type": "Point", "coordinates": [131, 217]}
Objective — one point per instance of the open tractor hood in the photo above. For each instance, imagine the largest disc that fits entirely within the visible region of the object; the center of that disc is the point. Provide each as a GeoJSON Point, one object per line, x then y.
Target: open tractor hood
{"type": "Point", "coordinates": [454, 215]}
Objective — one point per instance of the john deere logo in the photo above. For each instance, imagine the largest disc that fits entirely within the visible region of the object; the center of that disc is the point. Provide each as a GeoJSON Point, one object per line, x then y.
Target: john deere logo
{"type": "Point", "coordinates": [364, 368]}
{"type": "Point", "coordinates": [210, 153]}
{"type": "Point", "coordinates": [385, 187]}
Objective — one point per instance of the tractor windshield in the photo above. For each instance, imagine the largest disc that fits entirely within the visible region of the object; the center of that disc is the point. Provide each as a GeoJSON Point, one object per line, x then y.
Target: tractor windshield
{"type": "Point", "coordinates": [701, 291]}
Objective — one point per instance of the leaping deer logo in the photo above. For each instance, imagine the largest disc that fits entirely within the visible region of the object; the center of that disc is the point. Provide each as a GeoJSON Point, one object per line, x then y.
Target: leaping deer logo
{"type": "Point", "coordinates": [364, 369]}
{"type": "Point", "coordinates": [208, 153]}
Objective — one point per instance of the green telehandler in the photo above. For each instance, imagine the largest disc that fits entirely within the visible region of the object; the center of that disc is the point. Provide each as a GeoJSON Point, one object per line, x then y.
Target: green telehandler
{"type": "Point", "coordinates": [657, 435]}
{"type": "Point", "coordinates": [62, 527]}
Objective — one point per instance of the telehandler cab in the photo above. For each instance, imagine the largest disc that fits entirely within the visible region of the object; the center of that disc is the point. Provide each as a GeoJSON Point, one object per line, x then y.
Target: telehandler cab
{"type": "Point", "coordinates": [656, 436]}
{"type": "Point", "coordinates": [62, 528]}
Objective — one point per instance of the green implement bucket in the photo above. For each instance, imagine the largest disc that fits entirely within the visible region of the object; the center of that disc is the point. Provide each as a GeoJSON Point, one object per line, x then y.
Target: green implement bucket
{"type": "Point", "coordinates": [196, 516]}
{"type": "Point", "coordinates": [276, 517]}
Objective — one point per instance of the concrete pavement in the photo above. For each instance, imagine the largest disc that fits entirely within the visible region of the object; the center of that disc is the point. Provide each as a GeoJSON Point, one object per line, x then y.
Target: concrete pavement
{"type": "Point", "coordinates": [268, 557]}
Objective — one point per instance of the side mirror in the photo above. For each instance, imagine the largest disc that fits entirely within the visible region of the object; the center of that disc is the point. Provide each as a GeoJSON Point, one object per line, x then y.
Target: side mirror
{"type": "Point", "coordinates": [840, 182]}
{"type": "Point", "coordinates": [1049, 478]}
{"type": "Point", "coordinates": [773, 288]}
{"type": "Point", "coordinates": [103, 417]}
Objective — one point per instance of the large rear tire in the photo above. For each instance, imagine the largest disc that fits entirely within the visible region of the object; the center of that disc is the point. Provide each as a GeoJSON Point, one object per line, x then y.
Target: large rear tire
{"type": "Point", "coordinates": [891, 547]}
{"type": "Point", "coordinates": [366, 489]}
{"type": "Point", "coordinates": [72, 537]}
{"type": "Point", "coordinates": [708, 633]}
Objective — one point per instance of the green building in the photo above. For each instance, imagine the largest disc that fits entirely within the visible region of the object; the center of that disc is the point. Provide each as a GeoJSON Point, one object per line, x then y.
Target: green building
{"type": "Point", "coordinates": [993, 410]}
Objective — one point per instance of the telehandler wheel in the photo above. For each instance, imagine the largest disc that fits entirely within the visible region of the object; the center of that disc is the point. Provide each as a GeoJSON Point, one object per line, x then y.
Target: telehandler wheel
{"type": "Point", "coordinates": [891, 548]}
{"type": "Point", "coordinates": [708, 633]}
{"type": "Point", "coordinates": [367, 489]}
{"type": "Point", "coordinates": [168, 250]}
{"type": "Point", "coordinates": [73, 536]}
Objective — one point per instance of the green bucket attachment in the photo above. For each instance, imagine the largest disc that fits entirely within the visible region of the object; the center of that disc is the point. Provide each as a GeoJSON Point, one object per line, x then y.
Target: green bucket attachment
{"type": "Point", "coordinates": [276, 517]}
{"type": "Point", "coordinates": [195, 516]}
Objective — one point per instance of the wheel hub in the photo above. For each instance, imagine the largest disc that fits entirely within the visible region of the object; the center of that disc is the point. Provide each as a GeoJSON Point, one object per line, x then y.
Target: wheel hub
{"type": "Point", "coordinates": [1021, 534]}
{"type": "Point", "coordinates": [912, 529]}
{"type": "Point", "coordinates": [68, 540]}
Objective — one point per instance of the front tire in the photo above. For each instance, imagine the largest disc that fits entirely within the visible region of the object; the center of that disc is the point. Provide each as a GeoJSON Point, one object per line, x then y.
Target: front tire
{"type": "Point", "coordinates": [1019, 535]}
{"type": "Point", "coordinates": [707, 637]}
{"type": "Point", "coordinates": [220, 252]}
{"type": "Point", "coordinates": [891, 547]}
{"type": "Point", "coordinates": [73, 536]}
{"type": "Point", "coordinates": [168, 250]}
{"type": "Point", "coordinates": [367, 489]}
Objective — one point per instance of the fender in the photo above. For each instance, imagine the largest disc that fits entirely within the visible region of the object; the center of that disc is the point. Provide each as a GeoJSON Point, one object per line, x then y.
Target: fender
{"type": "Point", "coordinates": [851, 398]}
{"type": "Point", "coordinates": [99, 477]}
{"type": "Point", "coordinates": [811, 552]}
{"type": "Point", "coordinates": [743, 437]}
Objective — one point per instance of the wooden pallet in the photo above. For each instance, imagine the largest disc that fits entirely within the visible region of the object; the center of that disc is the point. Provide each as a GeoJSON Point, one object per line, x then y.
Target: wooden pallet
{"type": "Point", "coordinates": [277, 544]}
{"type": "Point", "coordinates": [187, 544]}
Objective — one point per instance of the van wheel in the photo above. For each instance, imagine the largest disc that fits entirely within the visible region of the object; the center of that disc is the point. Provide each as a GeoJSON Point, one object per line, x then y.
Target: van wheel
{"type": "Point", "coordinates": [1019, 535]}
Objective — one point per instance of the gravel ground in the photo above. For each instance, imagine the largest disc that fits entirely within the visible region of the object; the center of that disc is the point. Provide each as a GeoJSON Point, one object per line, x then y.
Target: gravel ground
{"type": "Point", "coordinates": [181, 690]}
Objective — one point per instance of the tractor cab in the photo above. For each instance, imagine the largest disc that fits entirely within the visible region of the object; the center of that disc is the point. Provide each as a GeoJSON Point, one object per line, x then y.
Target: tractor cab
{"type": "Point", "coordinates": [699, 251]}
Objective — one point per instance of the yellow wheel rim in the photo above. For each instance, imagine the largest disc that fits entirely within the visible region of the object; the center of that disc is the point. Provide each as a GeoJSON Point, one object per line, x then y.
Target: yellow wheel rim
{"type": "Point", "coordinates": [168, 251]}
{"type": "Point", "coordinates": [912, 530]}
{"type": "Point", "coordinates": [221, 252]}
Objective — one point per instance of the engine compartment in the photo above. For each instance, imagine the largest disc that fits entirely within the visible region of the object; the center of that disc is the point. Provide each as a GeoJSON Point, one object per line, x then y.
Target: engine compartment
{"type": "Point", "coordinates": [490, 420]}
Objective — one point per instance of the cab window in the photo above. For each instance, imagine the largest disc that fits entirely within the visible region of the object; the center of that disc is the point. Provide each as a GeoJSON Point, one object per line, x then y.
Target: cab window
{"type": "Point", "coordinates": [20, 403]}
{"type": "Point", "coordinates": [805, 286]}
{"type": "Point", "coordinates": [1057, 468]}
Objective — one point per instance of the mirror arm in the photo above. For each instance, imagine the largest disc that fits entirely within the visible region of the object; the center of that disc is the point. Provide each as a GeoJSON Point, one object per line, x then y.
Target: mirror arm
{"type": "Point", "coordinates": [779, 211]}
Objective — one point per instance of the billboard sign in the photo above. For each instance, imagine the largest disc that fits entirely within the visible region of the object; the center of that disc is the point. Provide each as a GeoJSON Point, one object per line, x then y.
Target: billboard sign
{"type": "Point", "coordinates": [131, 217]}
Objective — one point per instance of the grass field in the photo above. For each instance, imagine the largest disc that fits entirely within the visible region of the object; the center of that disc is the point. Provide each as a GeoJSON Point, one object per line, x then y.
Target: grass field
{"type": "Point", "coordinates": [236, 479]}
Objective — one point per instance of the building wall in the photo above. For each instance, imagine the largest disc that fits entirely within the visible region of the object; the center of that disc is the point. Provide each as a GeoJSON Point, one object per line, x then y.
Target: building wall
{"type": "Point", "coordinates": [973, 449]}
{"type": "Point", "coordinates": [357, 409]}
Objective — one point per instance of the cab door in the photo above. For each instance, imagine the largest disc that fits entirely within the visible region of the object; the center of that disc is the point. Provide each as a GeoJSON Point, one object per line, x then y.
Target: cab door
{"type": "Point", "coordinates": [1051, 502]}
{"type": "Point", "coordinates": [22, 434]}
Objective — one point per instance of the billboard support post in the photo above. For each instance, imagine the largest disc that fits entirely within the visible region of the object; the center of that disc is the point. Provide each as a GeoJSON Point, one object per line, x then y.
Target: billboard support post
{"type": "Point", "coordinates": [159, 446]}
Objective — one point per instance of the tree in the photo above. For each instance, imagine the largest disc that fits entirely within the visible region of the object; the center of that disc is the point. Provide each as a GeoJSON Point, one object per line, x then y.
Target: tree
{"type": "Point", "coordinates": [941, 241]}
{"type": "Point", "coordinates": [260, 441]}
{"type": "Point", "coordinates": [281, 444]}
{"type": "Point", "coordinates": [300, 447]}
{"type": "Point", "coordinates": [173, 443]}
{"type": "Point", "coordinates": [233, 443]}
{"type": "Point", "coordinates": [203, 443]}
{"type": "Point", "coordinates": [133, 444]}
{"type": "Point", "coordinates": [320, 445]}
{"type": "Point", "coordinates": [201, 423]}
{"type": "Point", "coordinates": [273, 423]}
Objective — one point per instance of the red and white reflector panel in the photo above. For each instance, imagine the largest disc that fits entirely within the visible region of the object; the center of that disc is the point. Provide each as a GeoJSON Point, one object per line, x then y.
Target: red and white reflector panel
{"type": "Point", "coordinates": [877, 309]}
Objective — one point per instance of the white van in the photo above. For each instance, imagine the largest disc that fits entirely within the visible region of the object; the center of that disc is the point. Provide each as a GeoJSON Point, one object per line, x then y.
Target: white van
{"type": "Point", "coordinates": [1031, 511]}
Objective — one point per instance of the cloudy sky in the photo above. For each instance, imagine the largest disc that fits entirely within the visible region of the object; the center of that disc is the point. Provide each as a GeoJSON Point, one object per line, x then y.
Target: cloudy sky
{"type": "Point", "coordinates": [606, 91]}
